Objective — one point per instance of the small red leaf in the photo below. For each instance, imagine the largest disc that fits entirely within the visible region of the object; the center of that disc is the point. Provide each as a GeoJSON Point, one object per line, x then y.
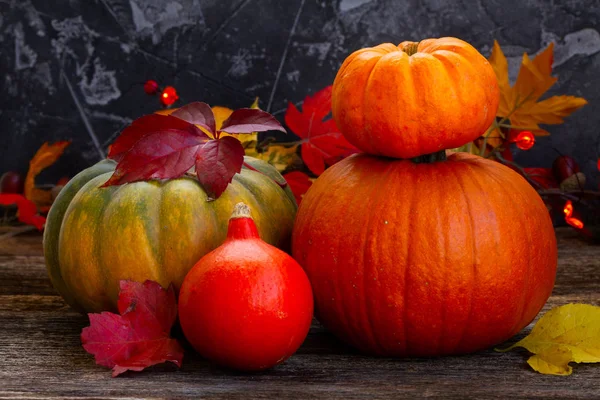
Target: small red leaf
{"type": "Point", "coordinates": [26, 209]}
{"type": "Point", "coordinates": [149, 125]}
{"type": "Point", "coordinates": [216, 164]}
{"type": "Point", "coordinates": [139, 337]}
{"type": "Point", "coordinates": [160, 155]}
{"type": "Point", "coordinates": [299, 183]}
{"type": "Point", "coordinates": [322, 142]}
{"type": "Point", "coordinates": [198, 113]}
{"type": "Point", "coordinates": [149, 299]}
{"type": "Point", "coordinates": [248, 120]}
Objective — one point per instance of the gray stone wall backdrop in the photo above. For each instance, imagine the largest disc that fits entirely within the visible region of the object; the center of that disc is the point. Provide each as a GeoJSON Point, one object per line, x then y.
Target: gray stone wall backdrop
{"type": "Point", "coordinates": [74, 69]}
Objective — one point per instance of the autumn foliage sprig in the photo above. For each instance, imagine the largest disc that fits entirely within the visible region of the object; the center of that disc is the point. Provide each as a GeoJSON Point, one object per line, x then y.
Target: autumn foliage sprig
{"type": "Point", "coordinates": [167, 146]}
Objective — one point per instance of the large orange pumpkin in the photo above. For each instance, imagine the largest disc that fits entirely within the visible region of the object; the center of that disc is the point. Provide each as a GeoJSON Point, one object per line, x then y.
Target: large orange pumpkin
{"type": "Point", "coordinates": [415, 98]}
{"type": "Point", "coordinates": [428, 258]}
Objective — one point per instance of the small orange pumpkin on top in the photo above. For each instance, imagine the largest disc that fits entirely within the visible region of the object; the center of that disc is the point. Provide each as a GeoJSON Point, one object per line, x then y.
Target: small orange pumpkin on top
{"type": "Point", "coordinates": [415, 98]}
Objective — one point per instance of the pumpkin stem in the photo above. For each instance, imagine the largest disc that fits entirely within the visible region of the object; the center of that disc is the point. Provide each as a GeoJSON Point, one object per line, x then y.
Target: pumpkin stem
{"type": "Point", "coordinates": [241, 224]}
{"type": "Point", "coordinates": [430, 158]}
{"type": "Point", "coordinates": [241, 210]}
{"type": "Point", "coordinates": [411, 48]}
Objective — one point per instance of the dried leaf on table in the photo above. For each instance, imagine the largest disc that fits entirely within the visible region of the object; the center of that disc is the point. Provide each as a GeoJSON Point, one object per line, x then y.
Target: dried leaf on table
{"type": "Point", "coordinates": [140, 336]}
{"type": "Point", "coordinates": [564, 334]}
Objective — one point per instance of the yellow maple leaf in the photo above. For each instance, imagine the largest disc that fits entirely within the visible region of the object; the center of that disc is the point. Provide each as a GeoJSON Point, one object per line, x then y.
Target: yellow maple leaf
{"type": "Point", "coordinates": [46, 155]}
{"type": "Point", "coordinates": [564, 334]}
{"type": "Point", "coordinates": [519, 103]}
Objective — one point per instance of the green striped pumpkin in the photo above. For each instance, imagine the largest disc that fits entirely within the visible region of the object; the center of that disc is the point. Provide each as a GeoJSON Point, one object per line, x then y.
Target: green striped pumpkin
{"type": "Point", "coordinates": [156, 230]}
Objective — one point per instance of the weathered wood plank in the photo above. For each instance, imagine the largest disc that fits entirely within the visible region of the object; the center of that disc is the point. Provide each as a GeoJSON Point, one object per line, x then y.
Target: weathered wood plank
{"type": "Point", "coordinates": [41, 355]}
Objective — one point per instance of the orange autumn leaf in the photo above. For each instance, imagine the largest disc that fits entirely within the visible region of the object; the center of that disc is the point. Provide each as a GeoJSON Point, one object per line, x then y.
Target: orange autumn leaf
{"type": "Point", "coordinates": [520, 103]}
{"type": "Point", "coordinates": [45, 156]}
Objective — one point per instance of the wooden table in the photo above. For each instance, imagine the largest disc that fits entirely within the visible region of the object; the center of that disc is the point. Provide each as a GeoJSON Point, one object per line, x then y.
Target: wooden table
{"type": "Point", "coordinates": [41, 355]}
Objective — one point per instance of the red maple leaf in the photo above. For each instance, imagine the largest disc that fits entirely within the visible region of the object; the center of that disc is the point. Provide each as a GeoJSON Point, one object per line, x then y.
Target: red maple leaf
{"type": "Point", "coordinates": [26, 209]}
{"type": "Point", "coordinates": [139, 336]}
{"type": "Point", "coordinates": [166, 146]}
{"type": "Point", "coordinates": [322, 142]}
{"type": "Point", "coordinates": [299, 183]}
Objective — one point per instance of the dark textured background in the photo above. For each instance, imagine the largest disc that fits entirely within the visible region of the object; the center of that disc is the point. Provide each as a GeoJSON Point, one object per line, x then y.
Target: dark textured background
{"type": "Point", "coordinates": [74, 69]}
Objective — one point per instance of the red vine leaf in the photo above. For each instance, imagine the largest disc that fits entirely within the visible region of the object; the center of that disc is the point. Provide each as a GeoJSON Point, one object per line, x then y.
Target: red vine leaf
{"type": "Point", "coordinates": [26, 209]}
{"type": "Point", "coordinates": [299, 183]}
{"type": "Point", "coordinates": [217, 162]}
{"type": "Point", "coordinates": [139, 336]}
{"type": "Point", "coordinates": [248, 120]}
{"type": "Point", "coordinates": [165, 148]}
{"type": "Point", "coordinates": [150, 125]}
{"type": "Point", "coordinates": [198, 113]}
{"type": "Point", "coordinates": [322, 142]}
{"type": "Point", "coordinates": [157, 156]}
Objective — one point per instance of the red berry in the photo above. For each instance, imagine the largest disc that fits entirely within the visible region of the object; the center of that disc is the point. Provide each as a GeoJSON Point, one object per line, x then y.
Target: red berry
{"type": "Point", "coordinates": [12, 182]}
{"type": "Point", "coordinates": [525, 140]}
{"type": "Point", "coordinates": [246, 305]}
{"type": "Point", "coordinates": [169, 96]}
{"type": "Point", "coordinates": [150, 87]}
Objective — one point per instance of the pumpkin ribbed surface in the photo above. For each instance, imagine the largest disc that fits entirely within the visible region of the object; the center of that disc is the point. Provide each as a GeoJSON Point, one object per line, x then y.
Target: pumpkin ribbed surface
{"type": "Point", "coordinates": [425, 259]}
{"type": "Point", "coordinates": [96, 237]}
{"type": "Point", "coordinates": [388, 101]}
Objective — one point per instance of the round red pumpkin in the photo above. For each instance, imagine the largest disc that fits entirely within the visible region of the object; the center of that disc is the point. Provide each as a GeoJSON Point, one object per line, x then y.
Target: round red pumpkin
{"type": "Point", "coordinates": [246, 305]}
{"type": "Point", "coordinates": [415, 98]}
{"type": "Point", "coordinates": [424, 259]}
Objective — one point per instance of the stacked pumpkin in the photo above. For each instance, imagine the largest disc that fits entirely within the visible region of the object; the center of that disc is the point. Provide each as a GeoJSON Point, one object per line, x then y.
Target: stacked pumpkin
{"type": "Point", "coordinates": [410, 250]}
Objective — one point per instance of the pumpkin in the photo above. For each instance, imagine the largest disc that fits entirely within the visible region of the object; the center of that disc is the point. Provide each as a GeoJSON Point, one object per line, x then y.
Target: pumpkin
{"type": "Point", "coordinates": [155, 230]}
{"type": "Point", "coordinates": [415, 98]}
{"type": "Point", "coordinates": [240, 293]}
{"type": "Point", "coordinates": [424, 259]}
